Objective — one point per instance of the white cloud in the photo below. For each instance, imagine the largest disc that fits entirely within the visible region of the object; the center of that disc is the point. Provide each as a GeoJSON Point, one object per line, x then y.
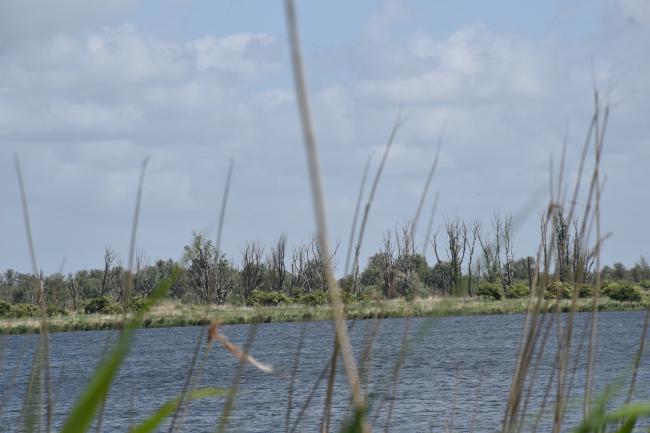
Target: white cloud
{"type": "Point", "coordinates": [471, 64]}
{"type": "Point", "coordinates": [234, 53]}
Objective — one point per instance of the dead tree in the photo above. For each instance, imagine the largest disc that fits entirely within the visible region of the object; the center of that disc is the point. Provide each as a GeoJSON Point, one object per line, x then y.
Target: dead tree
{"type": "Point", "coordinates": [471, 245]}
{"type": "Point", "coordinates": [457, 231]}
{"type": "Point", "coordinates": [74, 291]}
{"type": "Point", "coordinates": [252, 271]}
{"type": "Point", "coordinates": [562, 242]}
{"type": "Point", "coordinates": [508, 252]}
{"type": "Point", "coordinates": [387, 254]}
{"type": "Point", "coordinates": [406, 259]}
{"type": "Point", "coordinates": [275, 264]}
{"type": "Point", "coordinates": [109, 258]}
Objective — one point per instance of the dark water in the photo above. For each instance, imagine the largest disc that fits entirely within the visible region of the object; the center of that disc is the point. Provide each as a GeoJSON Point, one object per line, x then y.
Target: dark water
{"type": "Point", "coordinates": [455, 377]}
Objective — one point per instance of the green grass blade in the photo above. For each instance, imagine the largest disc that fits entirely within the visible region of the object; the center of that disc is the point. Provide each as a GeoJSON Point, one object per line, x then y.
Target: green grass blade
{"type": "Point", "coordinates": [628, 426]}
{"type": "Point", "coordinates": [355, 424]}
{"type": "Point", "coordinates": [82, 414]}
{"type": "Point", "coordinates": [151, 423]}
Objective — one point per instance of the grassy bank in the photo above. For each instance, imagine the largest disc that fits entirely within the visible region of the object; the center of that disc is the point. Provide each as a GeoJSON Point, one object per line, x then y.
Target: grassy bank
{"type": "Point", "coordinates": [176, 314]}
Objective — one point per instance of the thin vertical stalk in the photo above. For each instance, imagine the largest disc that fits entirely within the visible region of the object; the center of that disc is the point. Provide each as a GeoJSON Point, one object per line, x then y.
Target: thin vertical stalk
{"type": "Point", "coordinates": [319, 208]}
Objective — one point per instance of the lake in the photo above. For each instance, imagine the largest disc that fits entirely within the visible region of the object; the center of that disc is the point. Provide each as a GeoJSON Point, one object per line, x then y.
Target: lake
{"type": "Point", "coordinates": [455, 375]}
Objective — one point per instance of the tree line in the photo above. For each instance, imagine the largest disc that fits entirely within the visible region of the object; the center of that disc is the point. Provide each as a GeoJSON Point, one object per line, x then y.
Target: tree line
{"type": "Point", "coordinates": [467, 254]}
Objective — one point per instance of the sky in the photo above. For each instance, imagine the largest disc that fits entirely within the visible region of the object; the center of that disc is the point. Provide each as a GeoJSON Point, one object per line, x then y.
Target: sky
{"type": "Point", "coordinates": [90, 89]}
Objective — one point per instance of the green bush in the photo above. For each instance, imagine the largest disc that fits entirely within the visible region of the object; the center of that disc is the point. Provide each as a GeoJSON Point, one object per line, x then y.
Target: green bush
{"type": "Point", "coordinates": [314, 298]}
{"type": "Point", "coordinates": [138, 304]}
{"type": "Point", "coordinates": [558, 290]}
{"type": "Point", "coordinates": [53, 310]}
{"type": "Point", "coordinates": [348, 297]}
{"type": "Point", "coordinates": [102, 305]}
{"type": "Point", "coordinates": [259, 297]}
{"type": "Point", "coordinates": [20, 311]}
{"type": "Point", "coordinates": [517, 291]}
{"type": "Point", "coordinates": [5, 308]}
{"type": "Point", "coordinates": [625, 293]}
{"type": "Point", "coordinates": [585, 291]}
{"type": "Point", "coordinates": [491, 291]}
{"type": "Point", "coordinates": [609, 287]}
{"type": "Point", "coordinates": [645, 284]}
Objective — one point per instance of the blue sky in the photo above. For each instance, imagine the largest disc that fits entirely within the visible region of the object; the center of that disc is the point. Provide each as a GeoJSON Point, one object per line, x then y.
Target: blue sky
{"type": "Point", "coordinates": [88, 89]}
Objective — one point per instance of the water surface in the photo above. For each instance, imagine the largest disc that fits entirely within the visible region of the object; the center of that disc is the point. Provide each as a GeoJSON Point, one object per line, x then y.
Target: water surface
{"type": "Point", "coordinates": [455, 375]}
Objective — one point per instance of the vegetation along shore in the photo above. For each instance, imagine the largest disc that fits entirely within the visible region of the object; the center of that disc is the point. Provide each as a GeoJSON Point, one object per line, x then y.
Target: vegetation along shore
{"type": "Point", "coordinates": [170, 314]}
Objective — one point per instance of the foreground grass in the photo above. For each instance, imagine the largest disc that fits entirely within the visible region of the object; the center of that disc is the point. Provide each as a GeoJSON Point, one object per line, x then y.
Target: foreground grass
{"type": "Point", "coordinates": [176, 314]}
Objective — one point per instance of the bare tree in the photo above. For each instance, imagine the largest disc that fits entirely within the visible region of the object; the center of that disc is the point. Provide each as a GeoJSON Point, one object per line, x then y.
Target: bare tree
{"type": "Point", "coordinates": [456, 230]}
{"type": "Point", "coordinates": [471, 245]}
{"type": "Point", "coordinates": [508, 252]}
{"type": "Point", "coordinates": [405, 264]}
{"type": "Point", "coordinates": [387, 254]}
{"type": "Point", "coordinates": [109, 258]}
{"type": "Point", "coordinates": [275, 263]}
{"type": "Point", "coordinates": [253, 268]}
{"type": "Point", "coordinates": [562, 242]}
{"type": "Point", "coordinates": [308, 267]}
{"type": "Point", "coordinates": [73, 286]}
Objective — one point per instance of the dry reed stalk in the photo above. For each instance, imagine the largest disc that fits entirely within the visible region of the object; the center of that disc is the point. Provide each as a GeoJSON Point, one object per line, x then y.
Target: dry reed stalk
{"type": "Point", "coordinates": [294, 372]}
{"type": "Point", "coordinates": [594, 320]}
{"type": "Point", "coordinates": [239, 353]}
{"type": "Point", "coordinates": [398, 368]}
{"type": "Point", "coordinates": [373, 190]}
{"type": "Point", "coordinates": [224, 204]}
{"type": "Point", "coordinates": [244, 358]}
{"type": "Point", "coordinates": [639, 355]}
{"type": "Point", "coordinates": [430, 224]}
{"type": "Point", "coordinates": [44, 334]}
{"type": "Point", "coordinates": [190, 381]}
{"type": "Point", "coordinates": [427, 184]}
{"type": "Point", "coordinates": [327, 406]}
{"type": "Point", "coordinates": [477, 400]}
{"type": "Point", "coordinates": [134, 231]}
{"type": "Point", "coordinates": [313, 390]}
{"type": "Point", "coordinates": [533, 375]}
{"type": "Point", "coordinates": [366, 356]}
{"type": "Point", "coordinates": [186, 384]}
{"type": "Point", "coordinates": [330, 382]}
{"type": "Point", "coordinates": [319, 209]}
{"type": "Point", "coordinates": [357, 207]}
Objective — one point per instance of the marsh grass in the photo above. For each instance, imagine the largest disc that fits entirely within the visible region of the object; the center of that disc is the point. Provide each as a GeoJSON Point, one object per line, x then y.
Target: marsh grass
{"type": "Point", "coordinates": [170, 314]}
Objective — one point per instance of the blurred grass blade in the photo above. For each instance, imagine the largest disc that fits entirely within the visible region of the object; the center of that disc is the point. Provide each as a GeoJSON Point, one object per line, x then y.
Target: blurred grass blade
{"type": "Point", "coordinates": [152, 423]}
{"type": "Point", "coordinates": [628, 426]}
{"type": "Point", "coordinates": [356, 423]}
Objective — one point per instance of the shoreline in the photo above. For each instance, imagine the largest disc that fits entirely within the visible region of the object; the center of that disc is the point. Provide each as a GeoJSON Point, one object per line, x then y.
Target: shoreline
{"type": "Point", "coordinates": [169, 314]}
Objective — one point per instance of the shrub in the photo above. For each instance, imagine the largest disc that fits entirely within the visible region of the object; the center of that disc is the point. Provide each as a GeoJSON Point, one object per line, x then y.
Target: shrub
{"type": "Point", "coordinates": [517, 291]}
{"type": "Point", "coordinates": [259, 297]}
{"type": "Point", "coordinates": [585, 291]}
{"type": "Point", "coordinates": [314, 298]}
{"type": "Point", "coordinates": [5, 308]}
{"type": "Point", "coordinates": [645, 284]}
{"type": "Point", "coordinates": [609, 287]}
{"type": "Point", "coordinates": [558, 290]}
{"type": "Point", "coordinates": [53, 310]}
{"type": "Point", "coordinates": [347, 297]}
{"type": "Point", "coordinates": [24, 310]}
{"type": "Point", "coordinates": [625, 293]}
{"type": "Point", "coordinates": [138, 304]}
{"type": "Point", "coordinates": [102, 305]}
{"type": "Point", "coordinates": [491, 291]}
